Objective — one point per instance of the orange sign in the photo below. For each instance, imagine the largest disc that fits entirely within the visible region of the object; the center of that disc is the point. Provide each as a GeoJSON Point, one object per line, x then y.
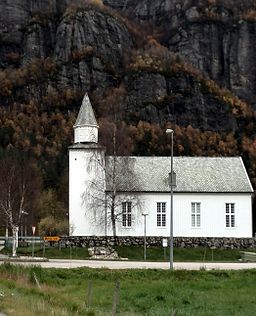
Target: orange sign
{"type": "Point", "coordinates": [51, 238]}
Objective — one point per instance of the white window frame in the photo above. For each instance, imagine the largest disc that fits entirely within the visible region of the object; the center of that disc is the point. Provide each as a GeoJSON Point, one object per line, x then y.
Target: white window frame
{"type": "Point", "coordinates": [161, 214]}
{"type": "Point", "coordinates": [230, 215]}
{"type": "Point", "coordinates": [127, 214]}
{"type": "Point", "coordinates": [195, 214]}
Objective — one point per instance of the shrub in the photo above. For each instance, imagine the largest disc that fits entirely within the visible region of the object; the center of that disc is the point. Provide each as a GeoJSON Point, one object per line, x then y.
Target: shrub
{"type": "Point", "coordinates": [249, 16]}
{"type": "Point", "coordinates": [83, 53]}
{"type": "Point", "coordinates": [13, 57]}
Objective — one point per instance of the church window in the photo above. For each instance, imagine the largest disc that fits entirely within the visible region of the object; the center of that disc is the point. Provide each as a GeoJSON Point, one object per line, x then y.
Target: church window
{"type": "Point", "coordinates": [195, 214]}
{"type": "Point", "coordinates": [161, 214]}
{"type": "Point", "coordinates": [230, 214]}
{"type": "Point", "coordinates": [127, 214]}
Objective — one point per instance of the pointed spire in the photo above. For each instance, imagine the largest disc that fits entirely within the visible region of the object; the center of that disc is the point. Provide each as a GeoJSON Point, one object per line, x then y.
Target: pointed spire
{"type": "Point", "coordinates": [86, 115]}
{"type": "Point", "coordinates": [86, 127]}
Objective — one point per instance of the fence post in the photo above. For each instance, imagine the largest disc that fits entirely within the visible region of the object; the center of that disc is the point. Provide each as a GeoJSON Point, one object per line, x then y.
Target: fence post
{"type": "Point", "coordinates": [89, 294]}
{"type": "Point", "coordinates": [44, 249]}
{"type": "Point", "coordinates": [116, 298]}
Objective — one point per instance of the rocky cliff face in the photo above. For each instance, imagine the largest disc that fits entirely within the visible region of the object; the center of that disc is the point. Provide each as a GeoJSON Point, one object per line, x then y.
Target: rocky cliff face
{"type": "Point", "coordinates": [223, 49]}
{"type": "Point", "coordinates": [89, 49]}
{"type": "Point", "coordinates": [91, 46]}
{"type": "Point", "coordinates": [26, 29]}
{"type": "Point", "coordinates": [217, 37]}
{"type": "Point", "coordinates": [178, 99]}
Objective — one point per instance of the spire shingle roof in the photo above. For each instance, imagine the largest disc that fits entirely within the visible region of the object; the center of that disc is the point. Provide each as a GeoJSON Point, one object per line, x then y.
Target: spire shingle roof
{"type": "Point", "coordinates": [86, 115]}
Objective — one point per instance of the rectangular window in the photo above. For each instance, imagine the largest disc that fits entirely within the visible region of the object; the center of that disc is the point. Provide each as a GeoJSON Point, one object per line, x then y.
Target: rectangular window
{"type": "Point", "coordinates": [230, 214]}
{"type": "Point", "coordinates": [195, 214]}
{"type": "Point", "coordinates": [127, 214]}
{"type": "Point", "coordinates": [161, 214]}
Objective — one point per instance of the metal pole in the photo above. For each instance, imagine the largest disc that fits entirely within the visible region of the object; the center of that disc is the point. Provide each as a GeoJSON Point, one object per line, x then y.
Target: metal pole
{"type": "Point", "coordinates": [33, 240]}
{"type": "Point", "coordinates": [170, 131]}
{"type": "Point", "coordinates": [171, 207]}
{"type": "Point", "coordinates": [106, 215]}
{"type": "Point", "coordinates": [44, 249]}
{"type": "Point", "coordinates": [145, 241]}
{"type": "Point", "coordinates": [33, 246]}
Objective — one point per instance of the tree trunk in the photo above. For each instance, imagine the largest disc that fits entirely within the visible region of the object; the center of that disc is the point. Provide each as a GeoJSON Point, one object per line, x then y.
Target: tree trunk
{"type": "Point", "coordinates": [113, 219]}
{"type": "Point", "coordinates": [15, 231]}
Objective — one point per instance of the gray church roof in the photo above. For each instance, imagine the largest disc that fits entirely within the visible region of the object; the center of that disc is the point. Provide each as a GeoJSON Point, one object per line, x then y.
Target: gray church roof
{"type": "Point", "coordinates": [194, 174]}
{"type": "Point", "coordinates": [86, 115]}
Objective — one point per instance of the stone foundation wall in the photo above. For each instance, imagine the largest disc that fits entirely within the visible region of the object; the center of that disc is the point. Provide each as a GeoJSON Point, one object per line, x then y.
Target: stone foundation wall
{"type": "Point", "coordinates": [183, 242]}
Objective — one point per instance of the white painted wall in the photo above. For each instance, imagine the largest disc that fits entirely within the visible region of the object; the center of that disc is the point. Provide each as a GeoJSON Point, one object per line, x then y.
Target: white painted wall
{"type": "Point", "coordinates": [213, 216]}
{"type": "Point", "coordinates": [84, 164]}
{"type": "Point", "coordinates": [86, 134]}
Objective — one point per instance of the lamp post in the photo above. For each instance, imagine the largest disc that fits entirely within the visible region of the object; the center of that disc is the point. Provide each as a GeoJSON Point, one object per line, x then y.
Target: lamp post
{"type": "Point", "coordinates": [33, 240]}
{"type": "Point", "coordinates": [24, 215]}
{"type": "Point", "coordinates": [171, 184]}
{"type": "Point", "coordinates": [144, 214]}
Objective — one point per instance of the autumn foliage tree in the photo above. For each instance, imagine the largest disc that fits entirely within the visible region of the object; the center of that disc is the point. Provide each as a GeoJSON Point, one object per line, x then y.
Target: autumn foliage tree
{"type": "Point", "coordinates": [52, 214]}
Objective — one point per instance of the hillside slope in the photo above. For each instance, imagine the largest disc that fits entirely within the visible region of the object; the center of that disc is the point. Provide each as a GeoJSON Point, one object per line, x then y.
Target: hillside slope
{"type": "Point", "coordinates": [186, 63]}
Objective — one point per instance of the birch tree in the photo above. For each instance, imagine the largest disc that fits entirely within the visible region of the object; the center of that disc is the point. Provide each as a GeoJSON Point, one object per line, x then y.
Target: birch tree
{"type": "Point", "coordinates": [20, 185]}
{"type": "Point", "coordinates": [106, 195]}
{"type": "Point", "coordinates": [121, 187]}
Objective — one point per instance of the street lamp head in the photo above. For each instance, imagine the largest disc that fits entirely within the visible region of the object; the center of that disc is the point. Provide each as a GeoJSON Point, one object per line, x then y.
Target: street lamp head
{"type": "Point", "coordinates": [169, 131]}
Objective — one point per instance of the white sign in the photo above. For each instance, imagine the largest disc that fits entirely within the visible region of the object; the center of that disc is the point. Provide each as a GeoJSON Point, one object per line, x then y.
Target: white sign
{"type": "Point", "coordinates": [33, 230]}
{"type": "Point", "coordinates": [165, 242]}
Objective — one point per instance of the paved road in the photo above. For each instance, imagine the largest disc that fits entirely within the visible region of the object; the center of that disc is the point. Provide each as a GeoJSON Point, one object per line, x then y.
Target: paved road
{"type": "Point", "coordinates": [67, 264]}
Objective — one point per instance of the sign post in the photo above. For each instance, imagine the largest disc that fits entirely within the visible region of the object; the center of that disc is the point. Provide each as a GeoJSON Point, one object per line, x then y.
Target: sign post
{"type": "Point", "coordinates": [33, 240]}
{"type": "Point", "coordinates": [165, 244]}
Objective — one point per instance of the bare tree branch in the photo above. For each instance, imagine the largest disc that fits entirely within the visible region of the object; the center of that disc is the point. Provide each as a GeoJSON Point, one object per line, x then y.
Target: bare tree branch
{"type": "Point", "coordinates": [20, 185]}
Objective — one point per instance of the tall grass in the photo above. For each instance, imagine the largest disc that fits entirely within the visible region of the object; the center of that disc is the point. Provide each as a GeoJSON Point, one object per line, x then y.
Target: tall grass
{"type": "Point", "coordinates": [142, 292]}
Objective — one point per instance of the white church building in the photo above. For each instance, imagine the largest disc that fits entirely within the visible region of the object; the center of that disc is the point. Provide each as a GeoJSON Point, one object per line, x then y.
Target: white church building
{"type": "Point", "coordinates": [212, 196]}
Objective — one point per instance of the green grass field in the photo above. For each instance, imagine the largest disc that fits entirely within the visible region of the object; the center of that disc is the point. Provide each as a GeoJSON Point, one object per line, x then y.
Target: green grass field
{"type": "Point", "coordinates": [180, 254]}
{"type": "Point", "coordinates": [36, 291]}
{"type": "Point", "coordinates": [136, 253]}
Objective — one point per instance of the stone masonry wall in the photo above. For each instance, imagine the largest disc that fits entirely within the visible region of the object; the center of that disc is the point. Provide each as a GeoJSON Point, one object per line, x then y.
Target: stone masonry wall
{"type": "Point", "coordinates": [183, 242]}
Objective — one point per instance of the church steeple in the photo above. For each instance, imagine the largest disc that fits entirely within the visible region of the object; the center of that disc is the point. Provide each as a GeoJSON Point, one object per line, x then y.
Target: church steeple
{"type": "Point", "coordinates": [86, 127]}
